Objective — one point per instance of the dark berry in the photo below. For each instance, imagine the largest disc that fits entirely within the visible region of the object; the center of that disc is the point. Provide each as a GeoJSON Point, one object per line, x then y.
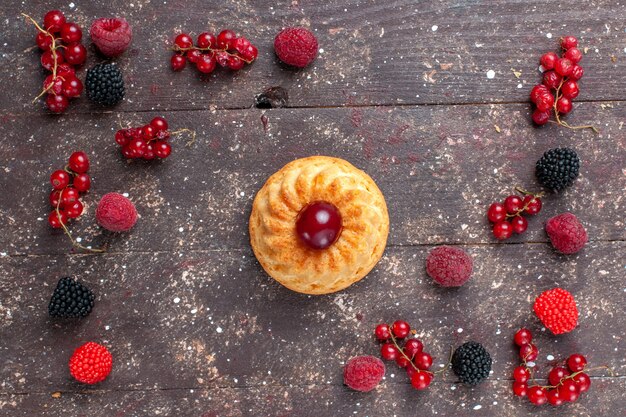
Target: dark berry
{"type": "Point", "coordinates": [319, 225]}
{"type": "Point", "coordinates": [71, 299]}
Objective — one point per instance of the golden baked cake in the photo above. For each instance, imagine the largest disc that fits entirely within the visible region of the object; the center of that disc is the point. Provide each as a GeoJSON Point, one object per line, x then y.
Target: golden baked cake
{"type": "Point", "coordinates": [319, 225]}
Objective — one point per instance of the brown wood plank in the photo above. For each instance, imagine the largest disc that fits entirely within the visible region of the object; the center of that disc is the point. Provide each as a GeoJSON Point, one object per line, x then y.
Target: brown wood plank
{"type": "Point", "coordinates": [492, 399]}
{"type": "Point", "coordinates": [438, 167]}
{"type": "Point", "coordinates": [374, 52]}
{"type": "Point", "coordinates": [205, 319]}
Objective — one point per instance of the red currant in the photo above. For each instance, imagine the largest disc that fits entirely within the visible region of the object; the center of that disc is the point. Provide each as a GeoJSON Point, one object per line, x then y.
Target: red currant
{"type": "Point", "coordinates": [183, 41]}
{"type": "Point", "coordinates": [222, 58]}
{"type": "Point", "coordinates": [583, 381]}
{"type": "Point", "coordinates": [551, 79]}
{"type": "Point", "coordinates": [59, 179]}
{"type": "Point", "coordinates": [421, 380]}
{"type": "Point", "coordinates": [194, 56]}
{"type": "Point", "coordinates": [147, 132]}
{"type": "Point", "coordinates": [533, 204]}
{"type": "Point", "coordinates": [382, 332]}
{"type": "Point", "coordinates": [521, 374]}
{"type": "Point", "coordinates": [319, 225]}
{"type": "Point", "coordinates": [148, 153]}
{"type": "Point", "coordinates": [57, 103]}
{"type": "Point", "coordinates": [400, 329]}
{"type": "Point", "coordinates": [537, 91]}
{"type": "Point", "coordinates": [576, 362]}
{"type": "Point", "coordinates": [159, 124]}
{"type": "Point", "coordinates": [528, 352]}
{"type": "Point", "coordinates": [69, 195]}
{"type": "Point", "coordinates": [55, 220]}
{"type": "Point", "coordinates": [389, 352]}
{"type": "Point", "coordinates": [53, 21]}
{"type": "Point", "coordinates": [502, 230]}
{"type": "Point", "coordinates": [496, 212]}
{"type": "Point", "coordinates": [53, 86]}
{"type": "Point", "coordinates": [522, 337]}
{"type": "Point", "coordinates": [569, 42]}
{"type": "Point", "coordinates": [548, 60]}
{"type": "Point", "coordinates": [574, 55]}
{"type": "Point", "coordinates": [412, 347]}
{"type": "Point", "coordinates": [520, 388]}
{"type": "Point", "coordinates": [47, 59]}
{"type": "Point", "coordinates": [72, 86]}
{"type": "Point", "coordinates": [71, 33]}
{"type": "Point", "coordinates": [402, 361]}
{"type": "Point", "coordinates": [557, 374]}
{"type": "Point", "coordinates": [82, 183]}
{"type": "Point", "coordinates": [513, 204]}
{"type": "Point", "coordinates": [423, 360]}
{"type": "Point", "coordinates": [54, 198]}
{"type": "Point", "coordinates": [568, 390]}
{"type": "Point", "coordinates": [570, 89]}
{"type": "Point", "coordinates": [563, 67]}
{"type": "Point", "coordinates": [79, 162]}
{"type": "Point", "coordinates": [74, 210]}
{"type": "Point", "coordinates": [43, 41]}
{"type": "Point", "coordinates": [564, 105]}
{"type": "Point", "coordinates": [545, 102]}
{"type": "Point", "coordinates": [225, 39]}
{"type": "Point", "coordinates": [520, 224]}
{"type": "Point", "coordinates": [178, 62]}
{"type": "Point", "coordinates": [121, 138]}
{"type": "Point", "coordinates": [65, 70]}
{"type": "Point", "coordinates": [206, 64]}
{"type": "Point", "coordinates": [541, 117]}
{"type": "Point", "coordinates": [75, 54]}
{"type": "Point", "coordinates": [554, 397]}
{"type": "Point", "coordinates": [235, 63]}
{"type": "Point", "coordinates": [410, 371]}
{"type": "Point", "coordinates": [537, 395]}
{"type": "Point", "coordinates": [577, 73]}
{"type": "Point", "coordinates": [162, 149]}
{"type": "Point", "coordinates": [206, 40]}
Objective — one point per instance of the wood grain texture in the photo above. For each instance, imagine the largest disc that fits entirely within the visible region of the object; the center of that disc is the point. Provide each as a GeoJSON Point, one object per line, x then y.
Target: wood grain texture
{"type": "Point", "coordinates": [196, 328]}
{"type": "Point", "coordinates": [374, 52]}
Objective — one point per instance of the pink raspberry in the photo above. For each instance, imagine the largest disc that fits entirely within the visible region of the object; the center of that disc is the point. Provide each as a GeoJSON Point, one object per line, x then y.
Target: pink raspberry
{"type": "Point", "coordinates": [116, 213]}
{"type": "Point", "coordinates": [566, 233]}
{"type": "Point", "coordinates": [449, 266]}
{"type": "Point", "coordinates": [296, 46]}
{"type": "Point", "coordinates": [111, 36]}
{"type": "Point", "coordinates": [363, 373]}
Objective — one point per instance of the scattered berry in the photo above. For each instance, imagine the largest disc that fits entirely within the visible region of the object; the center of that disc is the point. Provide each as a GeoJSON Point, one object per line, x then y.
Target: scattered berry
{"type": "Point", "coordinates": [449, 266]}
{"type": "Point", "coordinates": [296, 46]}
{"type": "Point", "coordinates": [105, 85]}
{"type": "Point", "coordinates": [471, 363]}
{"type": "Point", "coordinates": [557, 169]}
{"type": "Point", "coordinates": [566, 233]}
{"type": "Point", "coordinates": [91, 363]}
{"type": "Point", "coordinates": [557, 310]}
{"type": "Point", "coordinates": [71, 299]}
{"type": "Point", "coordinates": [363, 373]}
{"type": "Point", "coordinates": [111, 36]}
{"type": "Point", "coordinates": [116, 213]}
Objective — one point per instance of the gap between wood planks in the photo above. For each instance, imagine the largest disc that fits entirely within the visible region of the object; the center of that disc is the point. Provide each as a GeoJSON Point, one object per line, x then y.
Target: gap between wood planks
{"type": "Point", "coordinates": [248, 249]}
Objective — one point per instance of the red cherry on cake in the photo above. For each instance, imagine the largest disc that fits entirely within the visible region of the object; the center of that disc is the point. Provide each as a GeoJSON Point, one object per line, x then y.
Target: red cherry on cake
{"type": "Point", "coordinates": [319, 225]}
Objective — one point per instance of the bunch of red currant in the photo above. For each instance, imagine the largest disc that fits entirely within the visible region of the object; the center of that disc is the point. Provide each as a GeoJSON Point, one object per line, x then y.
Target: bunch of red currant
{"type": "Point", "coordinates": [227, 50]}
{"type": "Point", "coordinates": [60, 41]}
{"type": "Point", "coordinates": [566, 382]}
{"type": "Point", "coordinates": [149, 141]}
{"type": "Point", "coordinates": [508, 216]}
{"type": "Point", "coordinates": [559, 85]}
{"type": "Point", "coordinates": [411, 357]}
{"type": "Point", "coordinates": [67, 186]}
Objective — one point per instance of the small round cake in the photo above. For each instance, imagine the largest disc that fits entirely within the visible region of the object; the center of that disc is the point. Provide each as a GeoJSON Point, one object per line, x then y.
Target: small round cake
{"type": "Point", "coordinates": [319, 225]}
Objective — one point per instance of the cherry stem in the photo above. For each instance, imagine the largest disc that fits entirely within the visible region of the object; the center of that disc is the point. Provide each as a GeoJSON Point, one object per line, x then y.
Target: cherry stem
{"type": "Point", "coordinates": [67, 231]}
{"type": "Point", "coordinates": [177, 48]}
{"type": "Point", "coordinates": [560, 122]}
{"type": "Point", "coordinates": [53, 49]}
{"type": "Point", "coordinates": [393, 339]}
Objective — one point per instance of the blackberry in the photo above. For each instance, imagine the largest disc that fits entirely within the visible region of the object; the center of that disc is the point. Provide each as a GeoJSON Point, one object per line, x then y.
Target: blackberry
{"type": "Point", "coordinates": [471, 363]}
{"type": "Point", "coordinates": [70, 299]}
{"type": "Point", "coordinates": [104, 84]}
{"type": "Point", "coordinates": [557, 168]}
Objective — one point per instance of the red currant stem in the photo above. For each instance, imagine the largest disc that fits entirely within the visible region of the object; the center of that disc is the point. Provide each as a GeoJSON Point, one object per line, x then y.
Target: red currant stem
{"type": "Point", "coordinates": [53, 49]}
{"type": "Point", "coordinates": [177, 48]}
{"type": "Point", "coordinates": [571, 376]}
{"type": "Point", "coordinates": [560, 122]}
{"type": "Point", "coordinates": [393, 339]}
{"type": "Point", "coordinates": [523, 191]}
{"type": "Point", "coordinates": [67, 231]}
{"type": "Point", "coordinates": [189, 132]}
{"type": "Point", "coordinates": [445, 368]}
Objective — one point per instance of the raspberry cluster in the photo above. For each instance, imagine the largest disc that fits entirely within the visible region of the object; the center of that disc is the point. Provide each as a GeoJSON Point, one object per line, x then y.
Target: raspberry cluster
{"type": "Point", "coordinates": [566, 233]}
{"type": "Point", "coordinates": [508, 217]}
{"type": "Point", "coordinates": [62, 51]}
{"type": "Point", "coordinates": [148, 142]}
{"type": "Point", "coordinates": [410, 357]}
{"type": "Point", "coordinates": [226, 49]}
{"type": "Point", "coordinates": [567, 381]}
{"type": "Point", "coordinates": [363, 373]}
{"type": "Point", "coordinates": [559, 86]}
{"type": "Point", "coordinates": [91, 363]}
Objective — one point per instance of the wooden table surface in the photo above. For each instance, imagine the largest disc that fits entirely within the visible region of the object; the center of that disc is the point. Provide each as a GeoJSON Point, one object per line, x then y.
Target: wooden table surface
{"type": "Point", "coordinates": [401, 90]}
